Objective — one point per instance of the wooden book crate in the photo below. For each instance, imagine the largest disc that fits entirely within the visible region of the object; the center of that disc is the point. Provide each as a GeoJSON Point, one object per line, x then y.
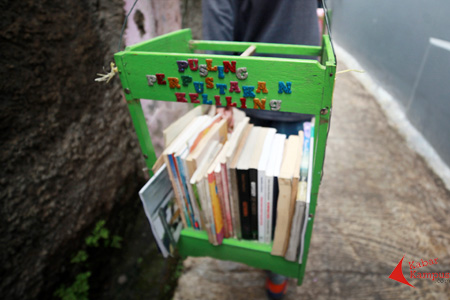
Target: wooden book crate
{"type": "Point", "coordinates": [293, 85]}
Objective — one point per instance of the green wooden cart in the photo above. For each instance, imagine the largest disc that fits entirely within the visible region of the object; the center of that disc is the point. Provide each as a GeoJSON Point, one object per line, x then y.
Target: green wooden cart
{"type": "Point", "coordinates": [167, 67]}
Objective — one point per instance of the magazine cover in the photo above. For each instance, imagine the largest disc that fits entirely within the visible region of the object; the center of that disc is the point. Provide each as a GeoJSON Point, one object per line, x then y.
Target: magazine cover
{"type": "Point", "coordinates": [162, 211]}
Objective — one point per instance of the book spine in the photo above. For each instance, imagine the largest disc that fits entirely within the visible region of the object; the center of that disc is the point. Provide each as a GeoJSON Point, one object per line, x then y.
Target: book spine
{"type": "Point", "coordinates": [276, 192]}
{"type": "Point", "coordinates": [176, 191]}
{"type": "Point", "coordinates": [209, 212]}
{"type": "Point", "coordinates": [217, 213]}
{"type": "Point", "coordinates": [282, 229]}
{"type": "Point", "coordinates": [195, 206]}
{"type": "Point", "coordinates": [268, 213]}
{"type": "Point", "coordinates": [194, 196]}
{"type": "Point", "coordinates": [253, 175]}
{"type": "Point", "coordinates": [298, 219]}
{"type": "Point", "coordinates": [176, 175]}
{"type": "Point", "coordinates": [220, 194]}
{"type": "Point", "coordinates": [303, 233]}
{"type": "Point", "coordinates": [185, 190]}
{"type": "Point", "coordinates": [303, 190]}
{"type": "Point", "coordinates": [234, 201]}
{"type": "Point", "coordinates": [244, 203]}
{"type": "Point", "coordinates": [292, 207]}
{"type": "Point", "coordinates": [261, 207]}
{"type": "Point", "coordinates": [308, 196]}
{"type": "Point", "coordinates": [294, 240]}
{"type": "Point", "coordinates": [226, 196]}
{"type": "Point", "coordinates": [199, 189]}
{"type": "Point", "coordinates": [191, 167]}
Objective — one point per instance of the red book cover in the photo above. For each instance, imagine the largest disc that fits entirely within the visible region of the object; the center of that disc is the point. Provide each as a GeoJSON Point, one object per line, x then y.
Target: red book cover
{"type": "Point", "coordinates": [226, 197]}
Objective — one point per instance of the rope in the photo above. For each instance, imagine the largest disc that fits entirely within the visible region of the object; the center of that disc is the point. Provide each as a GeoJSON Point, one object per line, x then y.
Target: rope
{"type": "Point", "coordinates": [350, 70]}
{"type": "Point", "coordinates": [124, 24]}
{"type": "Point", "coordinates": [108, 76]}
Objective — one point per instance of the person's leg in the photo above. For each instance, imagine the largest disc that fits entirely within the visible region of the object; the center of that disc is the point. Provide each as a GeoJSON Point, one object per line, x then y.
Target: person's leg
{"type": "Point", "coordinates": [276, 285]}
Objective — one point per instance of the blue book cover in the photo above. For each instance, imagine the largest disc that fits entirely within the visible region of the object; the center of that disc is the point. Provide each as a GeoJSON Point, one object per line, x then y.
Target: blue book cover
{"type": "Point", "coordinates": [175, 174]}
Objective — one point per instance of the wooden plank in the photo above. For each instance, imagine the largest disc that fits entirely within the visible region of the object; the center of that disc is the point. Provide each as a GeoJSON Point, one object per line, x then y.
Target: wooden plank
{"type": "Point", "coordinates": [305, 78]}
{"type": "Point", "coordinates": [249, 51]}
{"type": "Point", "coordinates": [267, 48]}
{"type": "Point", "coordinates": [177, 41]}
{"type": "Point", "coordinates": [195, 243]}
{"type": "Point", "coordinates": [140, 126]}
{"type": "Point", "coordinates": [321, 129]}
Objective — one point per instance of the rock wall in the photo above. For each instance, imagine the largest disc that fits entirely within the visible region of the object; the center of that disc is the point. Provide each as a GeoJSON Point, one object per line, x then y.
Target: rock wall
{"type": "Point", "coordinates": [69, 154]}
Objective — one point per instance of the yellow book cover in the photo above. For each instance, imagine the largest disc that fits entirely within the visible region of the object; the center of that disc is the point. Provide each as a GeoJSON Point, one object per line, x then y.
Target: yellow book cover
{"type": "Point", "coordinates": [217, 211]}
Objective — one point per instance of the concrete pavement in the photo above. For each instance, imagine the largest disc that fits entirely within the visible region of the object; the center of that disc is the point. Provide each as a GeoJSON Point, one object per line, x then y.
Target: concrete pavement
{"type": "Point", "coordinates": [378, 201]}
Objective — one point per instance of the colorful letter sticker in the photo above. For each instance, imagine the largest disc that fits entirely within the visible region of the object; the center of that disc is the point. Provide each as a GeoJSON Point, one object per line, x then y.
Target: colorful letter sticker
{"type": "Point", "coordinates": [203, 70]}
{"type": "Point", "coordinates": [262, 87]}
{"type": "Point", "coordinates": [151, 79]}
{"type": "Point", "coordinates": [222, 87]}
{"type": "Point", "coordinates": [284, 88]}
{"type": "Point", "coordinates": [186, 80]}
{"type": "Point", "coordinates": [234, 87]}
{"type": "Point", "coordinates": [229, 103]}
{"type": "Point", "coordinates": [182, 65]}
{"type": "Point", "coordinates": [209, 65]}
{"type": "Point", "coordinates": [243, 101]}
{"type": "Point", "coordinates": [173, 82]}
{"type": "Point", "coordinates": [193, 64]}
{"type": "Point", "coordinates": [194, 98]}
{"type": "Point", "coordinates": [275, 104]}
{"type": "Point", "coordinates": [221, 74]}
{"type": "Point", "coordinates": [217, 98]}
{"type": "Point", "coordinates": [181, 97]}
{"type": "Point", "coordinates": [209, 82]}
{"type": "Point", "coordinates": [248, 91]}
{"type": "Point", "coordinates": [259, 104]}
{"type": "Point", "coordinates": [229, 67]}
{"type": "Point", "coordinates": [241, 73]}
{"type": "Point", "coordinates": [160, 79]}
{"type": "Point", "coordinates": [205, 99]}
{"type": "Point", "coordinates": [198, 87]}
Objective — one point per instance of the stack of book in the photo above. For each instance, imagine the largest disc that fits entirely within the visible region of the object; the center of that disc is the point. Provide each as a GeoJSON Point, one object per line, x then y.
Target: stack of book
{"type": "Point", "coordinates": [236, 180]}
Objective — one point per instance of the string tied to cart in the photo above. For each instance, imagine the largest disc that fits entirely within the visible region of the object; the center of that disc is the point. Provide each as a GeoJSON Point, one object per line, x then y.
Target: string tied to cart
{"type": "Point", "coordinates": [110, 75]}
